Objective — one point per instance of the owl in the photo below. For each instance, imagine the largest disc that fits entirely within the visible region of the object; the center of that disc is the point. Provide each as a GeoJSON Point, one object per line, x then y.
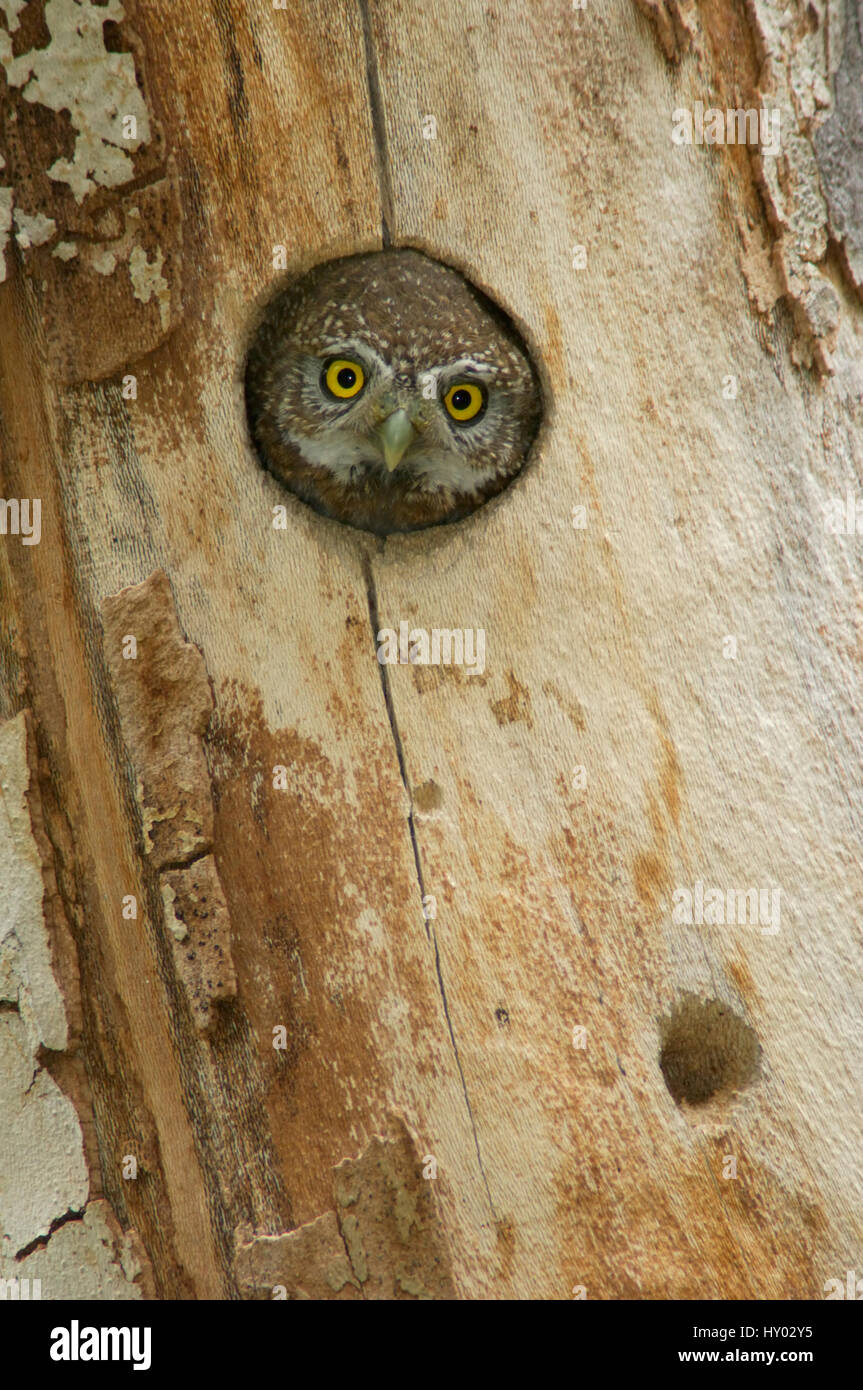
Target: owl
{"type": "Point", "coordinates": [388, 393]}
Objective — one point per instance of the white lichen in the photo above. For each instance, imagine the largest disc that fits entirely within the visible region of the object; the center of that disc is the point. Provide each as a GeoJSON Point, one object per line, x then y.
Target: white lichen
{"type": "Point", "coordinates": [178, 929]}
{"type": "Point", "coordinates": [12, 9]}
{"type": "Point", "coordinates": [77, 74]}
{"type": "Point", "coordinates": [148, 280]}
{"type": "Point", "coordinates": [65, 250]}
{"type": "Point", "coordinates": [33, 229]}
{"type": "Point", "coordinates": [23, 932]}
{"type": "Point", "coordinates": [104, 262]}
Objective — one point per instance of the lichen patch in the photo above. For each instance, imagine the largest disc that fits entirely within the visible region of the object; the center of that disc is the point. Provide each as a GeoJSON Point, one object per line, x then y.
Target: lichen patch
{"type": "Point", "coordinates": [148, 280]}
{"type": "Point", "coordinates": [76, 73]}
{"type": "Point", "coordinates": [33, 230]}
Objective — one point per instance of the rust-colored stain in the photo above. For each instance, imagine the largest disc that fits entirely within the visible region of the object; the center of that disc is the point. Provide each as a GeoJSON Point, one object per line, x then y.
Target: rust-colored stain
{"type": "Point", "coordinates": [430, 678]}
{"type": "Point", "coordinates": [742, 977]}
{"type": "Point", "coordinates": [651, 869]}
{"type": "Point", "coordinates": [506, 1241]}
{"type": "Point", "coordinates": [554, 353]}
{"type": "Point", "coordinates": [571, 707]}
{"type": "Point", "coordinates": [747, 1237]}
{"type": "Point", "coordinates": [324, 864]}
{"type": "Point", "coordinates": [164, 701]}
{"type": "Point", "coordinates": [669, 779]}
{"type": "Point", "coordinates": [515, 706]}
{"type": "Point", "coordinates": [650, 878]}
{"type": "Point", "coordinates": [736, 63]}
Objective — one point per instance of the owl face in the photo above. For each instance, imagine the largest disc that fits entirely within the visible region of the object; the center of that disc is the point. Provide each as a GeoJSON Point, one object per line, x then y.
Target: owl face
{"type": "Point", "coordinates": [388, 393]}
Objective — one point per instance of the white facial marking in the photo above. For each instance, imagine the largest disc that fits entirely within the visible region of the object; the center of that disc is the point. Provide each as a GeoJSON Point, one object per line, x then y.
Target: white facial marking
{"type": "Point", "coordinates": [339, 451]}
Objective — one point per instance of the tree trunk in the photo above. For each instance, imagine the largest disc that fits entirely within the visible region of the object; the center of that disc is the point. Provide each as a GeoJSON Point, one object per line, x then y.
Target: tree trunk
{"type": "Point", "coordinates": [326, 978]}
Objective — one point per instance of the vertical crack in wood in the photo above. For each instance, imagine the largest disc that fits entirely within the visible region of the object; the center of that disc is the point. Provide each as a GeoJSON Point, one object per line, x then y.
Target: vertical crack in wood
{"type": "Point", "coordinates": [379, 125]}
{"type": "Point", "coordinates": [374, 618]}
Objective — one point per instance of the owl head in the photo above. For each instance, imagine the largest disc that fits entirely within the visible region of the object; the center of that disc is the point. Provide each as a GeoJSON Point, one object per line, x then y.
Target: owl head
{"type": "Point", "coordinates": [388, 393]}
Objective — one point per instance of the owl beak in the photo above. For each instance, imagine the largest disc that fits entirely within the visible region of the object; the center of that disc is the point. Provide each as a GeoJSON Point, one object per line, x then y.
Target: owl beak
{"type": "Point", "coordinates": [396, 434]}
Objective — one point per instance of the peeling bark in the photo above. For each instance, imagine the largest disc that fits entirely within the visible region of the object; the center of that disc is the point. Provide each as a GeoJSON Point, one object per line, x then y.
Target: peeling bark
{"type": "Point", "coordinates": [384, 1240]}
{"type": "Point", "coordinates": [839, 148]}
{"type": "Point", "coordinates": [757, 57]}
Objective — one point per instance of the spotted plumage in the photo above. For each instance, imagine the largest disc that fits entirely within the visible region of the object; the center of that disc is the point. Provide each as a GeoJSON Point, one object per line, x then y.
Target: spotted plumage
{"type": "Point", "coordinates": [389, 394]}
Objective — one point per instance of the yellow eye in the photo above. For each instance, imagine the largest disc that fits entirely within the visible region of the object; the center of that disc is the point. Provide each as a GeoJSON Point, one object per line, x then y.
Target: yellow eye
{"type": "Point", "coordinates": [464, 401]}
{"type": "Point", "coordinates": [344, 379]}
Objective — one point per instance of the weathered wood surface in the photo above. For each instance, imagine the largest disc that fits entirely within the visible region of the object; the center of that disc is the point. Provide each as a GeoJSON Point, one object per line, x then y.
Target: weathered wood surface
{"type": "Point", "coordinates": [557, 1166]}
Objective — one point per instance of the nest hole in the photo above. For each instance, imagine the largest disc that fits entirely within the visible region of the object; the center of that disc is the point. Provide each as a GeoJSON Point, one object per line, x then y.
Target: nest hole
{"type": "Point", "coordinates": [706, 1051]}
